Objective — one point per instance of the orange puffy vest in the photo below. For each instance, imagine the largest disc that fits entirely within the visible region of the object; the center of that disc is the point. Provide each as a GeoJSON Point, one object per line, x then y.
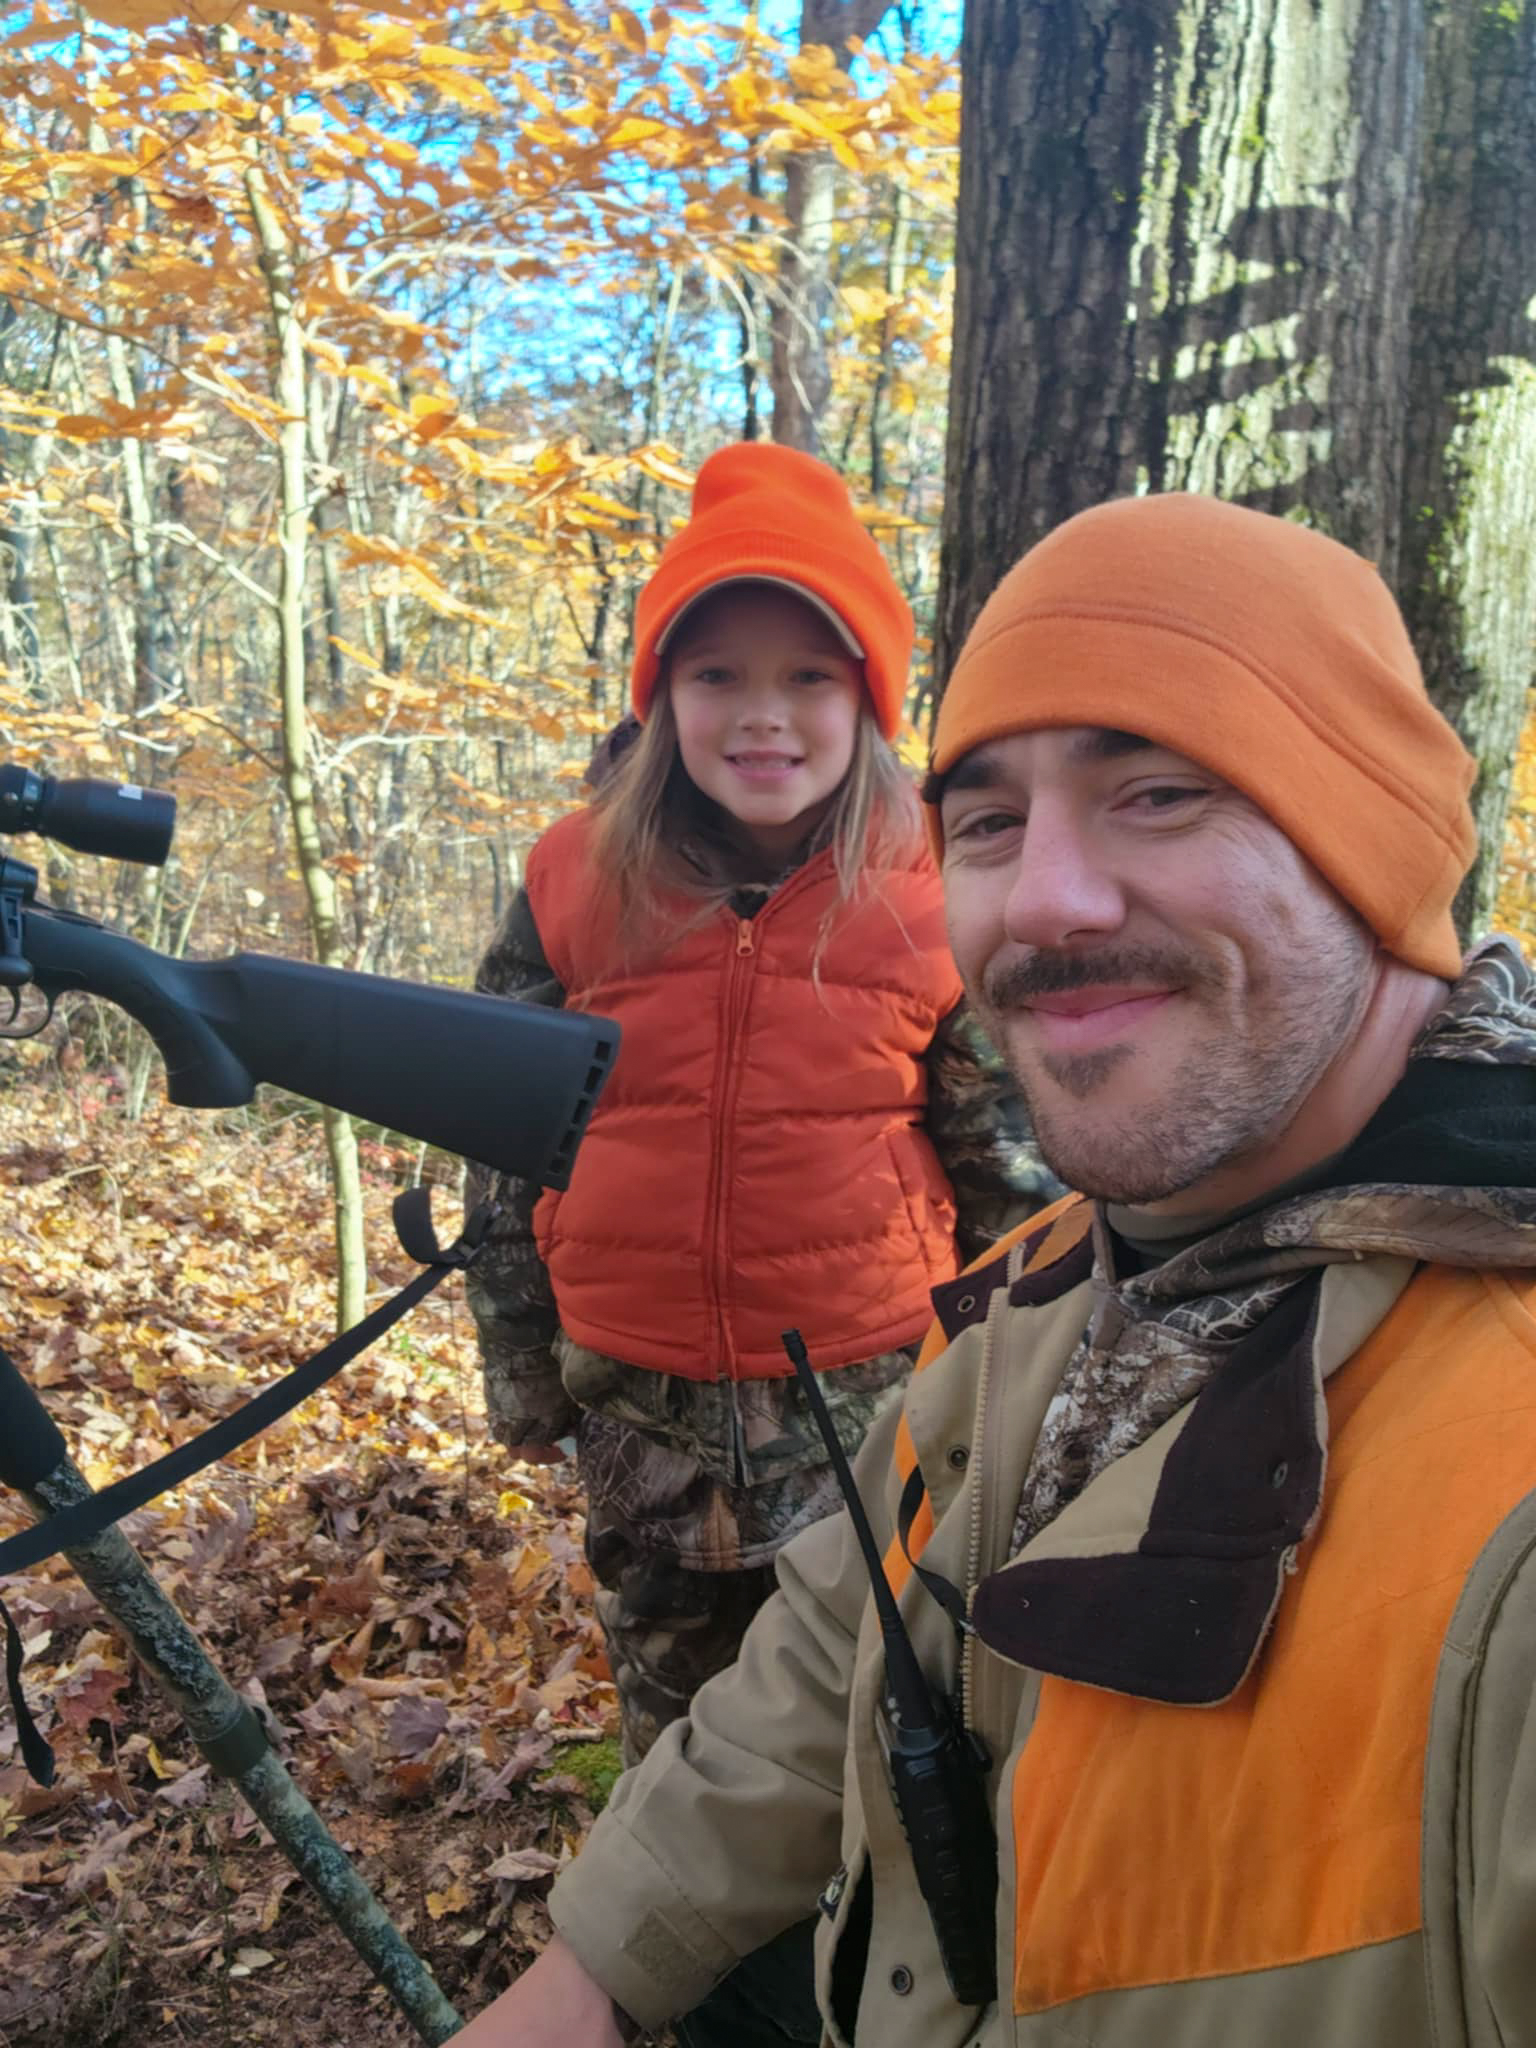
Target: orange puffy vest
{"type": "Point", "coordinates": [758, 1158]}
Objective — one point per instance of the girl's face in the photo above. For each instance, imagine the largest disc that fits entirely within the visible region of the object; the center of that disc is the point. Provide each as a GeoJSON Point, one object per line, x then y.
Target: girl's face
{"type": "Point", "coordinates": [767, 703]}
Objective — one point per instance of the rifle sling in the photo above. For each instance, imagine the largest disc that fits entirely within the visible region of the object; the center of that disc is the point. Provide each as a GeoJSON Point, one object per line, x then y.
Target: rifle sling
{"type": "Point", "coordinates": [86, 1519]}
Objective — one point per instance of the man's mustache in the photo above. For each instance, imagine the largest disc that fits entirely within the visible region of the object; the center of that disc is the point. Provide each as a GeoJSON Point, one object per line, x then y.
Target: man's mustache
{"type": "Point", "coordinates": [1013, 984]}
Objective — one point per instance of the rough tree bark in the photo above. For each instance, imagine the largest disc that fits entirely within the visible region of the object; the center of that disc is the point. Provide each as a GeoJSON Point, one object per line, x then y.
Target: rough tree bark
{"type": "Point", "coordinates": [1043, 401]}
{"type": "Point", "coordinates": [1468, 569]}
{"type": "Point", "coordinates": [1270, 250]}
{"type": "Point", "coordinates": [1275, 258]}
{"type": "Point", "coordinates": [801, 369]}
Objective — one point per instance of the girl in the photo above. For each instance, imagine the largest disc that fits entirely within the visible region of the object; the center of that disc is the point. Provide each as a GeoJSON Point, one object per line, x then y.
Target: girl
{"type": "Point", "coordinates": [799, 1128]}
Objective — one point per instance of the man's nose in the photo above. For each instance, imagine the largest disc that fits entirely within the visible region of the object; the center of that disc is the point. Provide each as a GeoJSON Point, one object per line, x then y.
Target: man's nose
{"type": "Point", "coordinates": [1064, 887]}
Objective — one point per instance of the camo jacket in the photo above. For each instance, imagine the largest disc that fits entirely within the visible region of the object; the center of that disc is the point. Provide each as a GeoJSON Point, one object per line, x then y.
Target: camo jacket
{"type": "Point", "coordinates": [756, 1441]}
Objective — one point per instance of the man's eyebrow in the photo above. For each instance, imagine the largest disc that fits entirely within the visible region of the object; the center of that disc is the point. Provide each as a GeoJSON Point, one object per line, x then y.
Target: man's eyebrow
{"type": "Point", "coordinates": [1106, 743]}
{"type": "Point", "coordinates": [981, 768]}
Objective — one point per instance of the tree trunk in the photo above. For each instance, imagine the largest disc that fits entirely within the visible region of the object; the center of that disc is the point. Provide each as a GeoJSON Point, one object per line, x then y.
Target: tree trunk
{"type": "Point", "coordinates": [1275, 262]}
{"type": "Point", "coordinates": [1044, 405]}
{"type": "Point", "coordinates": [1273, 251]}
{"type": "Point", "coordinates": [895, 290]}
{"type": "Point", "coordinates": [289, 390]}
{"type": "Point", "coordinates": [1468, 575]}
{"type": "Point", "coordinates": [156, 666]}
{"type": "Point", "coordinates": [801, 367]}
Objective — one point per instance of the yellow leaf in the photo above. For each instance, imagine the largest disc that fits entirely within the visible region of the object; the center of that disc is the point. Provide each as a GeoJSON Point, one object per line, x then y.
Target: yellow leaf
{"type": "Point", "coordinates": [358, 654]}
{"type": "Point", "coordinates": [457, 1897]}
{"type": "Point", "coordinates": [634, 128]}
{"type": "Point", "coordinates": [326, 352]}
{"type": "Point", "coordinates": [138, 14]}
{"type": "Point", "coordinates": [610, 506]}
{"type": "Point", "coordinates": [660, 467]}
{"type": "Point", "coordinates": [361, 373]}
{"type": "Point", "coordinates": [814, 126]}
{"type": "Point", "coordinates": [628, 28]}
{"type": "Point", "coordinates": [463, 92]}
{"type": "Point", "coordinates": [866, 302]}
{"type": "Point", "coordinates": [510, 1503]}
{"type": "Point", "coordinates": [436, 56]}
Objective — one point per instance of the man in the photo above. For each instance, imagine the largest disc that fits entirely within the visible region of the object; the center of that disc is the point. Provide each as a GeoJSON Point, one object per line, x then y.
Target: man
{"type": "Point", "coordinates": [1232, 1457]}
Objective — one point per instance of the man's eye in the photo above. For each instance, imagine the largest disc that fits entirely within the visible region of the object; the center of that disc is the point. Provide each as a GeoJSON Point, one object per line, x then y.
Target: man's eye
{"type": "Point", "coordinates": [982, 825]}
{"type": "Point", "coordinates": [1167, 796]}
{"type": "Point", "coordinates": [711, 675]}
{"type": "Point", "coordinates": [813, 675]}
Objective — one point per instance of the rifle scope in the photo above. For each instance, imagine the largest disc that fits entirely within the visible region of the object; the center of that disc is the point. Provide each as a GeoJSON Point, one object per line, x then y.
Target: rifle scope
{"type": "Point", "coordinates": [118, 819]}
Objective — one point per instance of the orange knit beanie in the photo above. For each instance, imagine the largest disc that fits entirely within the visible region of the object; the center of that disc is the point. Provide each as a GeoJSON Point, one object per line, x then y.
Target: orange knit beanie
{"type": "Point", "coordinates": [1265, 652]}
{"type": "Point", "coordinates": [767, 514]}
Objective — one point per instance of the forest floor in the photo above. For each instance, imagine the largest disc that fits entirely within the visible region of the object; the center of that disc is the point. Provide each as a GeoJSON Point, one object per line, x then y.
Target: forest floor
{"type": "Point", "coordinates": [409, 1606]}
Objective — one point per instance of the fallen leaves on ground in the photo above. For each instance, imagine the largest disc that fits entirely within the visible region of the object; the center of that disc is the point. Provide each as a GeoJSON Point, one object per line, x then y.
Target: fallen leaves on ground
{"type": "Point", "coordinates": [407, 1607]}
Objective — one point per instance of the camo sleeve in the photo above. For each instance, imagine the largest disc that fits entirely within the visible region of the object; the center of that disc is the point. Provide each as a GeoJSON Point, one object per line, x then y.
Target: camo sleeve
{"type": "Point", "coordinates": [981, 1132]}
{"type": "Point", "coordinates": [507, 1286]}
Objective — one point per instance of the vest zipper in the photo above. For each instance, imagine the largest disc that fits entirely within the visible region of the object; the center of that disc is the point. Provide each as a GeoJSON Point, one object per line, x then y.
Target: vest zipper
{"type": "Point", "coordinates": [740, 966]}
{"type": "Point", "coordinates": [737, 989]}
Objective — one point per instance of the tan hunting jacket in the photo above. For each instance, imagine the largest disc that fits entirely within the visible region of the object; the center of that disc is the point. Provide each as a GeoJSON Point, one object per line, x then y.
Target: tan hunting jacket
{"type": "Point", "coordinates": [1259, 1698]}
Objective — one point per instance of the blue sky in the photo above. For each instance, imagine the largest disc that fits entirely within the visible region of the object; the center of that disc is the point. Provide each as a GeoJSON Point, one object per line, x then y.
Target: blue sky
{"type": "Point", "coordinates": [573, 329]}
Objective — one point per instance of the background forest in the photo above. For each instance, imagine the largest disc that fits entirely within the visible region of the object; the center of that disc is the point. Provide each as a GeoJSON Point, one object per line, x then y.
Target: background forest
{"type": "Point", "coordinates": [355, 362]}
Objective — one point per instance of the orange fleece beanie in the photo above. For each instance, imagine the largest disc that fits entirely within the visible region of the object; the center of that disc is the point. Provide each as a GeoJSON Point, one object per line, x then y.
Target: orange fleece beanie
{"type": "Point", "coordinates": [770, 514]}
{"type": "Point", "coordinates": [1265, 652]}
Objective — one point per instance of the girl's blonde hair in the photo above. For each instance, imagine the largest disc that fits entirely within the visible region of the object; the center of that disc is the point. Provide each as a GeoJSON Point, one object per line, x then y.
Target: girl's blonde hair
{"type": "Point", "coordinates": [660, 840]}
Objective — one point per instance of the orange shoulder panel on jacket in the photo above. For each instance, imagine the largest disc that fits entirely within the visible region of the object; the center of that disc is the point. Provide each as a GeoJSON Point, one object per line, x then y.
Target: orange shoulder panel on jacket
{"type": "Point", "coordinates": [1055, 1230]}
{"type": "Point", "coordinates": [1060, 1227]}
{"type": "Point", "coordinates": [1158, 1844]}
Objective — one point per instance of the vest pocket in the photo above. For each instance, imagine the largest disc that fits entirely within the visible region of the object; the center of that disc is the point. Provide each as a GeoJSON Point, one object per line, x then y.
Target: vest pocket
{"type": "Point", "coordinates": [545, 1210]}
{"type": "Point", "coordinates": [929, 1199]}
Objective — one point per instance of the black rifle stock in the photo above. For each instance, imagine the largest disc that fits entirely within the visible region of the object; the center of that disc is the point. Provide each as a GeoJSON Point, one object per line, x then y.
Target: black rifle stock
{"type": "Point", "coordinates": [509, 1084]}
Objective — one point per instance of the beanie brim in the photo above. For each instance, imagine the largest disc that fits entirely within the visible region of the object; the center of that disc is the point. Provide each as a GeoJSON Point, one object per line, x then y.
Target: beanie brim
{"type": "Point", "coordinates": [754, 562]}
{"type": "Point", "coordinates": [667, 633]}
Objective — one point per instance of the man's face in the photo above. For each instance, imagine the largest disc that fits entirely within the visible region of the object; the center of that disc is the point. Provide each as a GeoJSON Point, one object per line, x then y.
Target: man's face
{"type": "Point", "coordinates": [1167, 975]}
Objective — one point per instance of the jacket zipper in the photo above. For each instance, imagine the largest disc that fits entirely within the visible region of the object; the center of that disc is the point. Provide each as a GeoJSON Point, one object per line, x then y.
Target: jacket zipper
{"type": "Point", "coordinates": [965, 1691]}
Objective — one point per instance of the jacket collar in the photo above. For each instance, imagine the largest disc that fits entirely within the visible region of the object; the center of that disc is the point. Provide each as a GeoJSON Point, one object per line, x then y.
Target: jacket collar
{"type": "Point", "coordinates": [1178, 1608]}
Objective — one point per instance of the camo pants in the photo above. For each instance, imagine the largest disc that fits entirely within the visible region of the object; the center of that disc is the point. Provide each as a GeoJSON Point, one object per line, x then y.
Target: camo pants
{"type": "Point", "coordinates": [668, 1629]}
{"type": "Point", "coordinates": [693, 1487]}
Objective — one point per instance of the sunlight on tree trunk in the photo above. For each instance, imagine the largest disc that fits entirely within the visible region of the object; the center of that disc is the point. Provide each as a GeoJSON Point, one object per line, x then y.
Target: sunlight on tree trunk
{"type": "Point", "coordinates": [801, 360]}
{"type": "Point", "coordinates": [1276, 253]}
{"type": "Point", "coordinates": [291, 394]}
{"type": "Point", "coordinates": [1468, 579]}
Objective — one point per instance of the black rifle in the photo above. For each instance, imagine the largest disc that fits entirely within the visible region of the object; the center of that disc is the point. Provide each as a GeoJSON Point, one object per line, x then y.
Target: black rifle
{"type": "Point", "coordinates": [938, 1771]}
{"type": "Point", "coordinates": [509, 1084]}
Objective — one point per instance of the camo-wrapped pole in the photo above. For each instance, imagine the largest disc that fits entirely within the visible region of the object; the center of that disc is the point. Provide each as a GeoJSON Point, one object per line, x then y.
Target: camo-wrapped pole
{"type": "Point", "coordinates": [34, 1461]}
